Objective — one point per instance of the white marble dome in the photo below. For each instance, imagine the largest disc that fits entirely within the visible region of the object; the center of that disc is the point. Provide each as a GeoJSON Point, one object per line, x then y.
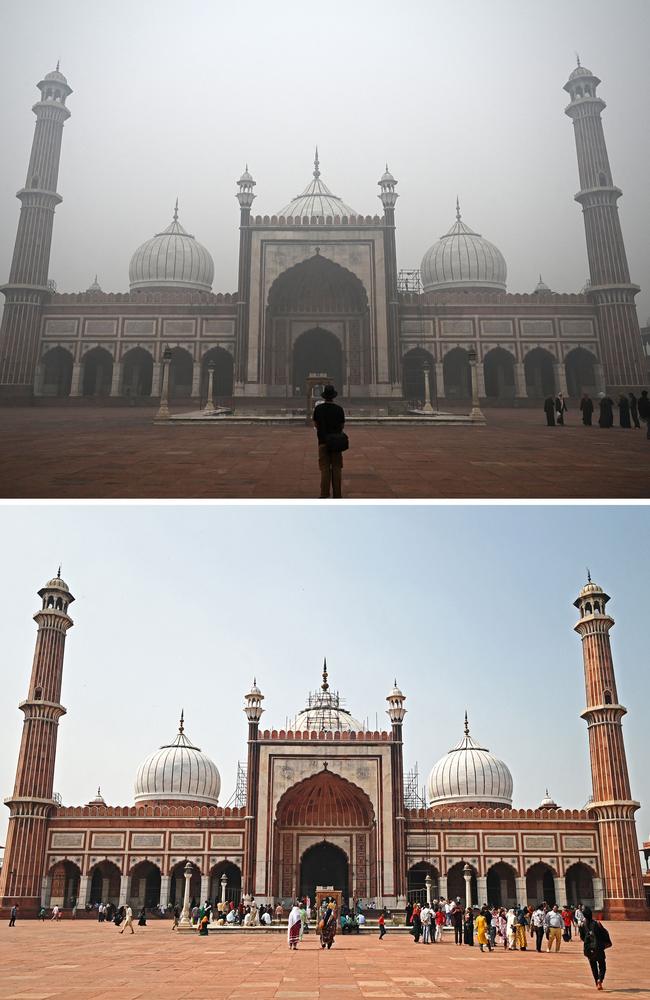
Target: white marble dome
{"type": "Point", "coordinates": [179, 771]}
{"type": "Point", "coordinates": [325, 712]}
{"type": "Point", "coordinates": [470, 774]}
{"type": "Point", "coordinates": [172, 259]}
{"type": "Point", "coordinates": [316, 200]}
{"type": "Point", "coordinates": [463, 259]}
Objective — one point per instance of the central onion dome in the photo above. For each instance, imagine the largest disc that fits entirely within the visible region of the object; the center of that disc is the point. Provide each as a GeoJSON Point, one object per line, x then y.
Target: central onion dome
{"type": "Point", "coordinates": [316, 200]}
{"type": "Point", "coordinates": [178, 770]}
{"type": "Point", "coordinates": [470, 774]}
{"type": "Point", "coordinates": [172, 259]}
{"type": "Point", "coordinates": [463, 259]}
{"type": "Point", "coordinates": [325, 712]}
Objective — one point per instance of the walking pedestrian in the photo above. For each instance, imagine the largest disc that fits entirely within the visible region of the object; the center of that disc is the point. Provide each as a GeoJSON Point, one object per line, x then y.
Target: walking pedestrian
{"type": "Point", "coordinates": [382, 923]}
{"type": "Point", "coordinates": [13, 914]}
{"type": "Point", "coordinates": [128, 919]}
{"type": "Point", "coordinates": [596, 940]}
{"type": "Point", "coordinates": [520, 927]}
{"type": "Point", "coordinates": [294, 924]}
{"type": "Point", "coordinates": [644, 410]}
{"type": "Point", "coordinates": [587, 409]}
{"type": "Point", "coordinates": [468, 927]}
{"type": "Point", "coordinates": [606, 407]}
{"type": "Point", "coordinates": [567, 917]}
{"type": "Point", "coordinates": [440, 920]}
{"type": "Point", "coordinates": [176, 914]}
{"type": "Point", "coordinates": [624, 411]}
{"type": "Point", "coordinates": [560, 408]}
{"type": "Point", "coordinates": [329, 420]}
{"type": "Point", "coordinates": [426, 916]}
{"type": "Point", "coordinates": [549, 410]}
{"type": "Point", "coordinates": [554, 924]}
{"type": "Point", "coordinates": [142, 918]}
{"type": "Point", "coordinates": [416, 922]}
{"type": "Point", "coordinates": [481, 925]}
{"type": "Point", "coordinates": [457, 922]}
{"type": "Point", "coordinates": [634, 409]}
{"type": "Point", "coordinates": [537, 925]}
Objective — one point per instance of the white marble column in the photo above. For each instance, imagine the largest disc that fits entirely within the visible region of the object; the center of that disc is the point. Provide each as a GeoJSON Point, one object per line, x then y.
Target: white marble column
{"type": "Point", "coordinates": [439, 375]}
{"type": "Point", "coordinates": [156, 378]}
{"type": "Point", "coordinates": [116, 381]}
{"type": "Point", "coordinates": [520, 884]}
{"type": "Point", "coordinates": [480, 377]}
{"type": "Point", "coordinates": [481, 889]}
{"type": "Point", "coordinates": [84, 891]}
{"type": "Point", "coordinates": [124, 889]}
{"type": "Point", "coordinates": [205, 888]}
{"type": "Point", "coordinates": [560, 891]}
{"type": "Point", "coordinates": [520, 380]}
{"type": "Point", "coordinates": [442, 887]}
{"type": "Point", "coordinates": [75, 385]}
{"type": "Point", "coordinates": [196, 380]}
{"type": "Point", "coordinates": [560, 379]}
{"type": "Point", "coordinates": [46, 890]}
{"type": "Point", "coordinates": [598, 894]}
{"type": "Point", "coordinates": [599, 376]}
{"type": "Point", "coordinates": [164, 890]}
{"type": "Point", "coordinates": [38, 380]}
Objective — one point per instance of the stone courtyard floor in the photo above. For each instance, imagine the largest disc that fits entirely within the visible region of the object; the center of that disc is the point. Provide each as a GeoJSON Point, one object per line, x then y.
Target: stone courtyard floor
{"type": "Point", "coordinates": [91, 961]}
{"type": "Point", "coordinates": [104, 452]}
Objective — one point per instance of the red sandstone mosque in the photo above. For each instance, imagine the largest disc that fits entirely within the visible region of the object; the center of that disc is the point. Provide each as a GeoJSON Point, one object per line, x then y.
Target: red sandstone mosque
{"type": "Point", "coordinates": [323, 804]}
{"type": "Point", "coordinates": [319, 290]}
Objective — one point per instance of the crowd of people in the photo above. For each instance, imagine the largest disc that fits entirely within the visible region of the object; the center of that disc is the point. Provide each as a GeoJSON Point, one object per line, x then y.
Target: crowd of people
{"type": "Point", "coordinates": [632, 410]}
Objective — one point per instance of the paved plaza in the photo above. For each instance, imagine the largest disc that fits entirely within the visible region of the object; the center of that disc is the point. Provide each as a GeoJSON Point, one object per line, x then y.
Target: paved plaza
{"type": "Point", "coordinates": [94, 962]}
{"type": "Point", "coordinates": [92, 452]}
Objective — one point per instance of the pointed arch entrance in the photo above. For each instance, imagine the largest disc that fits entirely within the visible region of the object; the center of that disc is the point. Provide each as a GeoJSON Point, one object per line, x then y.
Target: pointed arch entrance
{"type": "Point", "coordinates": [317, 319]}
{"type": "Point", "coordinates": [324, 864]}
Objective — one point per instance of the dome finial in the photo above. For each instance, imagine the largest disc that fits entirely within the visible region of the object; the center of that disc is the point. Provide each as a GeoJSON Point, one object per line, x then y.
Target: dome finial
{"type": "Point", "coordinates": [57, 65]}
{"type": "Point", "coordinates": [457, 209]}
{"type": "Point", "coordinates": [588, 575]}
{"type": "Point", "coordinates": [466, 724]}
{"type": "Point", "coordinates": [325, 684]}
{"type": "Point", "coordinates": [181, 724]}
{"type": "Point", "coordinates": [176, 211]}
{"type": "Point", "coordinates": [58, 572]}
{"type": "Point", "coordinates": [578, 60]}
{"type": "Point", "coordinates": [316, 164]}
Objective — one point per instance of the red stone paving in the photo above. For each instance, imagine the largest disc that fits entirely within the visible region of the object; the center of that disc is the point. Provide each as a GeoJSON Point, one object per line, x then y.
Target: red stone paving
{"type": "Point", "coordinates": [91, 961]}
{"type": "Point", "coordinates": [93, 452]}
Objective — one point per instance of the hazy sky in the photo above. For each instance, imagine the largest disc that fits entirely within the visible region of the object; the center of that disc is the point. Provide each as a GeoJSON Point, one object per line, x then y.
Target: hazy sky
{"type": "Point", "coordinates": [468, 607]}
{"type": "Point", "coordinates": [460, 97]}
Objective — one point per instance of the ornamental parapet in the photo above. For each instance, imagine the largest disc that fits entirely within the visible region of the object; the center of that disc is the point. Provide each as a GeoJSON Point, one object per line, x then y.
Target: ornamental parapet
{"type": "Point", "coordinates": [163, 296]}
{"type": "Point", "coordinates": [326, 736]}
{"type": "Point", "coordinates": [150, 810]}
{"type": "Point", "coordinates": [317, 220]}
{"type": "Point", "coordinates": [442, 815]}
{"type": "Point", "coordinates": [467, 296]}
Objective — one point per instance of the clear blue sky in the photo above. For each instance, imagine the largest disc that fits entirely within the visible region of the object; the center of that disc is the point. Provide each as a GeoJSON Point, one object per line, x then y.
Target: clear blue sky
{"type": "Point", "coordinates": [470, 607]}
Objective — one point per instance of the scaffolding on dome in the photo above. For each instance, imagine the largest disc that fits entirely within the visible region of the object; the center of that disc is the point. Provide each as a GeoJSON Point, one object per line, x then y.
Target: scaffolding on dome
{"type": "Point", "coordinates": [409, 281]}
{"type": "Point", "coordinates": [238, 798]}
{"type": "Point", "coordinates": [414, 798]}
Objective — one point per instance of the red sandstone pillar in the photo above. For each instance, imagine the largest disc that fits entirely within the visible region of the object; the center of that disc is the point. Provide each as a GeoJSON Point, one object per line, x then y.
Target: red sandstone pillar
{"type": "Point", "coordinates": [32, 802]}
{"type": "Point", "coordinates": [612, 802]}
{"type": "Point", "coordinates": [253, 710]}
{"type": "Point", "coordinates": [396, 713]}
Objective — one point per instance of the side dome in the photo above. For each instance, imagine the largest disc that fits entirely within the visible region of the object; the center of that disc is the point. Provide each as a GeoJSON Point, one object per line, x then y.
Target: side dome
{"type": "Point", "coordinates": [179, 771]}
{"type": "Point", "coordinates": [316, 200]}
{"type": "Point", "coordinates": [172, 259]}
{"type": "Point", "coordinates": [470, 774]}
{"type": "Point", "coordinates": [463, 259]}
{"type": "Point", "coordinates": [325, 712]}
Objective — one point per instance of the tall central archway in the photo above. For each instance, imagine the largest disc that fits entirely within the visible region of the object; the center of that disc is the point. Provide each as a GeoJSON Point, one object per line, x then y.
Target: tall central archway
{"type": "Point", "coordinates": [324, 864]}
{"type": "Point", "coordinates": [305, 304]}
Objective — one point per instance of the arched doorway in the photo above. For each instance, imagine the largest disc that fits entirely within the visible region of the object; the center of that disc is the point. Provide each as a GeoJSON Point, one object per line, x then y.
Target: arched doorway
{"type": "Point", "coordinates": [181, 370]}
{"type": "Point", "coordinates": [413, 382]}
{"type": "Point", "coordinates": [97, 374]}
{"type": "Point", "coordinates": [328, 297]}
{"type": "Point", "coordinates": [177, 884]}
{"type": "Point", "coordinates": [145, 885]}
{"type": "Point", "coordinates": [317, 351]}
{"type": "Point", "coordinates": [499, 372]}
{"type": "Point", "coordinates": [57, 372]}
{"type": "Point", "coordinates": [233, 885]}
{"type": "Point", "coordinates": [540, 374]}
{"type": "Point", "coordinates": [501, 885]}
{"type": "Point", "coordinates": [222, 380]}
{"type": "Point", "coordinates": [456, 883]}
{"type": "Point", "coordinates": [579, 885]}
{"type": "Point", "coordinates": [457, 374]}
{"type": "Point", "coordinates": [105, 883]}
{"type": "Point", "coordinates": [329, 809]}
{"type": "Point", "coordinates": [416, 886]}
{"type": "Point", "coordinates": [324, 864]}
{"type": "Point", "coordinates": [64, 891]}
{"type": "Point", "coordinates": [540, 885]}
{"type": "Point", "coordinates": [137, 372]}
{"type": "Point", "coordinates": [580, 372]}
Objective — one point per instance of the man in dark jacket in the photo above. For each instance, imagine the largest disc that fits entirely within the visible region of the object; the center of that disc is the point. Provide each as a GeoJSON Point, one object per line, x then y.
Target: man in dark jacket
{"type": "Point", "coordinates": [644, 410]}
{"type": "Point", "coordinates": [606, 405]}
{"type": "Point", "coordinates": [329, 418]}
{"type": "Point", "coordinates": [595, 939]}
{"type": "Point", "coordinates": [549, 410]}
{"type": "Point", "coordinates": [587, 408]}
{"type": "Point", "coordinates": [634, 409]}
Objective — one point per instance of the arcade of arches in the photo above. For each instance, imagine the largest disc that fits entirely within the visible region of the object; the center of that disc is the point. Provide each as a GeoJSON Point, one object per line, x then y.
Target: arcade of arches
{"type": "Point", "coordinates": [317, 321]}
{"type": "Point", "coordinates": [500, 885]}
{"type": "Point", "coordinates": [324, 835]}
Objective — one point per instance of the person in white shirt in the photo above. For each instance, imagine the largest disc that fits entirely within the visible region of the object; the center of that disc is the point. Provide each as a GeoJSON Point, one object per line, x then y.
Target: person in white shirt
{"type": "Point", "coordinates": [555, 925]}
{"type": "Point", "coordinates": [537, 923]}
{"type": "Point", "coordinates": [128, 919]}
{"type": "Point", "coordinates": [425, 917]}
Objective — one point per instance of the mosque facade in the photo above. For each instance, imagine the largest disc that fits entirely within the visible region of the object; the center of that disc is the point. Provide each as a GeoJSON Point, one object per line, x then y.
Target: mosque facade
{"type": "Point", "coordinates": [319, 290]}
{"type": "Point", "coordinates": [323, 804]}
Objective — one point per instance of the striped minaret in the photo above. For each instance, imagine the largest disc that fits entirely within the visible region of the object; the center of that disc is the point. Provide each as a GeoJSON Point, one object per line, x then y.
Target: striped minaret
{"type": "Point", "coordinates": [611, 289]}
{"type": "Point", "coordinates": [612, 803]}
{"type": "Point", "coordinates": [32, 803]}
{"type": "Point", "coordinates": [28, 279]}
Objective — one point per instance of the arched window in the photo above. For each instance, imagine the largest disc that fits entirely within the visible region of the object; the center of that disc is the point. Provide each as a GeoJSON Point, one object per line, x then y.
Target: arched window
{"type": "Point", "coordinates": [607, 697]}
{"type": "Point", "coordinates": [588, 608]}
{"type": "Point", "coordinates": [596, 608]}
{"type": "Point", "coordinates": [602, 178]}
{"type": "Point", "coordinates": [35, 181]}
{"type": "Point", "coordinates": [50, 602]}
{"type": "Point", "coordinates": [38, 693]}
{"type": "Point", "coordinates": [59, 604]}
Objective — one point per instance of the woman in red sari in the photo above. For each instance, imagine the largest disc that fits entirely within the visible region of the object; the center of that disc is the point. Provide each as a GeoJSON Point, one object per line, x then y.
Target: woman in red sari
{"type": "Point", "coordinates": [293, 927]}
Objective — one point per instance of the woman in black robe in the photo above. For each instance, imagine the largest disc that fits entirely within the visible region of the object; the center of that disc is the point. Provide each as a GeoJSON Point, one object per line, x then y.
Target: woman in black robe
{"type": "Point", "coordinates": [587, 409]}
{"type": "Point", "coordinates": [142, 919]}
{"type": "Point", "coordinates": [606, 418]}
{"type": "Point", "coordinates": [624, 411]}
{"type": "Point", "coordinates": [468, 927]}
{"type": "Point", "coordinates": [549, 410]}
